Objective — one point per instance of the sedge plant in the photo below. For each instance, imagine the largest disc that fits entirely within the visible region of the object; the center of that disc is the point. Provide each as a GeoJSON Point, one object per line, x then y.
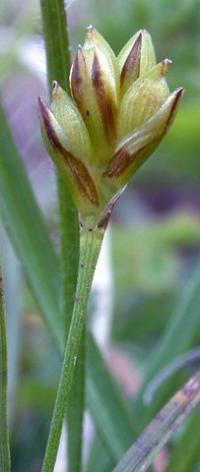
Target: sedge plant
{"type": "Point", "coordinates": [119, 110]}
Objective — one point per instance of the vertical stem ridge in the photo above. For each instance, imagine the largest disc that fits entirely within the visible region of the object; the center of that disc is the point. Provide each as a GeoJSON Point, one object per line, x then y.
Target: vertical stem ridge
{"type": "Point", "coordinates": [4, 436]}
{"type": "Point", "coordinates": [90, 247]}
{"type": "Point", "coordinates": [75, 411]}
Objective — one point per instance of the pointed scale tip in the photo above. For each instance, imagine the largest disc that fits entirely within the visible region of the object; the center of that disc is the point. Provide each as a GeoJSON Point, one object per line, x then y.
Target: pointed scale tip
{"type": "Point", "coordinates": [178, 94]}
{"type": "Point", "coordinates": [80, 55]}
{"type": "Point", "coordinates": [180, 90]}
{"type": "Point", "coordinates": [166, 63]}
{"type": "Point", "coordinates": [90, 29]}
{"type": "Point", "coordinates": [146, 36]}
{"type": "Point", "coordinates": [90, 36]}
{"type": "Point", "coordinates": [42, 106]}
{"type": "Point", "coordinates": [43, 110]}
{"type": "Point", "coordinates": [141, 32]}
{"type": "Point", "coordinates": [55, 87]}
{"type": "Point", "coordinates": [76, 74]}
{"type": "Point", "coordinates": [132, 62]}
{"type": "Point", "coordinates": [144, 32]}
{"type": "Point", "coordinates": [78, 60]}
{"type": "Point", "coordinates": [45, 116]}
{"type": "Point", "coordinates": [138, 38]}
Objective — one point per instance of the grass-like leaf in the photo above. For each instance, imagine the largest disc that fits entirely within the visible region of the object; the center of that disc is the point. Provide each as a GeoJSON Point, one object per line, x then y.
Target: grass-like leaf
{"type": "Point", "coordinates": [4, 438]}
{"type": "Point", "coordinates": [12, 277]}
{"type": "Point", "coordinates": [23, 221]}
{"type": "Point", "coordinates": [105, 402]}
{"type": "Point", "coordinates": [143, 452]}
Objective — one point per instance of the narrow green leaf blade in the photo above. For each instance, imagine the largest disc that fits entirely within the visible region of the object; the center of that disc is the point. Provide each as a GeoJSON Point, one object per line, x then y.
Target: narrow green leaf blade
{"type": "Point", "coordinates": [143, 452]}
{"type": "Point", "coordinates": [23, 220]}
{"type": "Point", "coordinates": [4, 438]}
{"type": "Point", "coordinates": [111, 413]}
{"type": "Point", "coordinates": [12, 277]}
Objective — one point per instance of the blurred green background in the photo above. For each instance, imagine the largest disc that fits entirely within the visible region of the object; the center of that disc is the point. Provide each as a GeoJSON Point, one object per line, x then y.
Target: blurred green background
{"type": "Point", "coordinates": [155, 233]}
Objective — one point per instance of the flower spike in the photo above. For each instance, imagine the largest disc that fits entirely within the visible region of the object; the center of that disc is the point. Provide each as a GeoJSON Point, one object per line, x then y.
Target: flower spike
{"type": "Point", "coordinates": [120, 110]}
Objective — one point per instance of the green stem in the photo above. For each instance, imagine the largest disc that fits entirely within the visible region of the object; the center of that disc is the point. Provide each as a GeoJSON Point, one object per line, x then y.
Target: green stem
{"type": "Point", "coordinates": [54, 21]}
{"type": "Point", "coordinates": [56, 42]}
{"type": "Point", "coordinates": [4, 437]}
{"type": "Point", "coordinates": [90, 247]}
{"type": "Point", "coordinates": [75, 411]}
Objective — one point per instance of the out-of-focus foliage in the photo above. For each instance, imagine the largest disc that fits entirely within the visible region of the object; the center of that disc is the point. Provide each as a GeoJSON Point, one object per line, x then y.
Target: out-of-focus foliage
{"type": "Point", "coordinates": [153, 257]}
{"type": "Point", "coordinates": [148, 261]}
